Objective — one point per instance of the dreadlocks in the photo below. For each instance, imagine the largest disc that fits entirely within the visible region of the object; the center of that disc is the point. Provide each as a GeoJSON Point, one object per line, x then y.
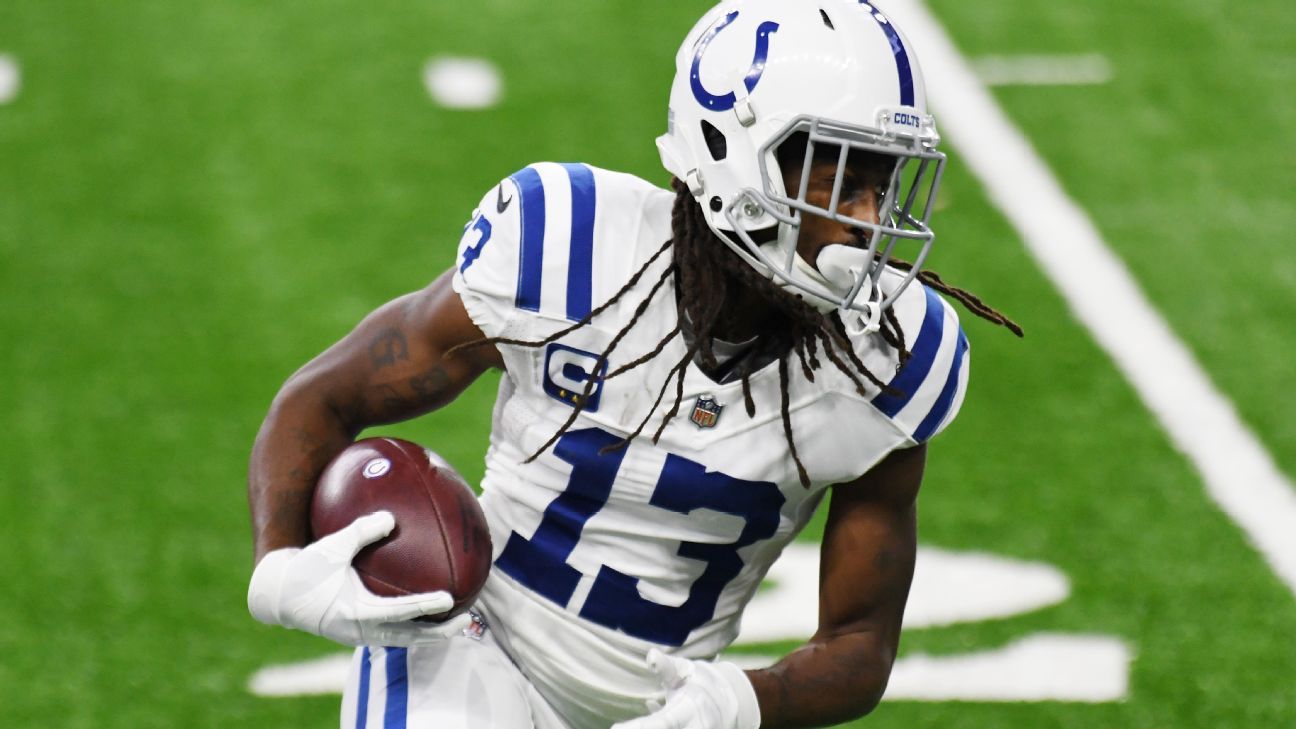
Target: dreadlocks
{"type": "Point", "coordinates": [707, 275]}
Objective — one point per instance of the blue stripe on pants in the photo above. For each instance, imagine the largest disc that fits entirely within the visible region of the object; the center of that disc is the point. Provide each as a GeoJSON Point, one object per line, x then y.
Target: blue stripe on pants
{"type": "Point", "coordinates": [397, 689]}
{"type": "Point", "coordinates": [362, 697]}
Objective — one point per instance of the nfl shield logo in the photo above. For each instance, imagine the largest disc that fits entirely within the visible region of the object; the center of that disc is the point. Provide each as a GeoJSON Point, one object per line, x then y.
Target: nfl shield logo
{"type": "Point", "coordinates": [706, 412]}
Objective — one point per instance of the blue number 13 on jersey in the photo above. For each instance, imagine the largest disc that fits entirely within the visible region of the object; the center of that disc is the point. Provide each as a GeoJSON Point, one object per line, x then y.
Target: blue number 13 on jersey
{"type": "Point", "coordinates": [540, 563]}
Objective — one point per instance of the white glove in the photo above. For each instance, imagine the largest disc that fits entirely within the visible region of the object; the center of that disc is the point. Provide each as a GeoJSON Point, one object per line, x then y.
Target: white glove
{"type": "Point", "coordinates": [699, 695]}
{"type": "Point", "coordinates": [315, 588]}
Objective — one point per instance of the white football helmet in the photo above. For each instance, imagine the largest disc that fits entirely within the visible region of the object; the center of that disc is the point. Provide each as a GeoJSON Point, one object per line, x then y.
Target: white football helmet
{"type": "Point", "coordinates": [754, 73]}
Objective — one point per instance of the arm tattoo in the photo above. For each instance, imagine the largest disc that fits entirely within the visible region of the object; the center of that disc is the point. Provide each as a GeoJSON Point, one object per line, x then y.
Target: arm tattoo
{"type": "Point", "coordinates": [430, 384]}
{"type": "Point", "coordinates": [314, 448]}
{"type": "Point", "coordinates": [388, 347]}
{"type": "Point", "coordinates": [388, 402]}
{"type": "Point", "coordinates": [392, 401]}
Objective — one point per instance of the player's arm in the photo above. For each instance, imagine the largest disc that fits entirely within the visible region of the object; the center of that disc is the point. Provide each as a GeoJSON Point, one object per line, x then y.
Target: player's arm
{"type": "Point", "coordinates": [391, 367]}
{"type": "Point", "coordinates": [866, 568]}
{"type": "Point", "coordinates": [867, 564]}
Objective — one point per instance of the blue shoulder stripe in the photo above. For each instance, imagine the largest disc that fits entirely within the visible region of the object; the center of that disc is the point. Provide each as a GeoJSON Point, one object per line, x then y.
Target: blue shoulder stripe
{"type": "Point", "coordinates": [580, 263]}
{"type": "Point", "coordinates": [920, 362]}
{"type": "Point", "coordinates": [531, 254]}
{"type": "Point", "coordinates": [397, 689]}
{"type": "Point", "coordinates": [945, 400]}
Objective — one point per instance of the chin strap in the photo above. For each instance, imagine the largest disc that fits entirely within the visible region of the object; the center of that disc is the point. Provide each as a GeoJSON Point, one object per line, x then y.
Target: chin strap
{"type": "Point", "coordinates": [807, 271]}
{"type": "Point", "coordinates": [859, 323]}
{"type": "Point", "coordinates": [840, 266]}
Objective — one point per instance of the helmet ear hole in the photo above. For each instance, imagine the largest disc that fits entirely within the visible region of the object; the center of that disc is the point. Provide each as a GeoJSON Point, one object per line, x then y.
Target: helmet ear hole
{"type": "Point", "coordinates": [715, 141]}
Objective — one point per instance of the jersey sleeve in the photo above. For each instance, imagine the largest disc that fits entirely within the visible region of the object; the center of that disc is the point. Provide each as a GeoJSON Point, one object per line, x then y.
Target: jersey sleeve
{"type": "Point", "coordinates": [529, 249]}
{"type": "Point", "coordinates": [928, 391]}
{"type": "Point", "coordinates": [487, 261]}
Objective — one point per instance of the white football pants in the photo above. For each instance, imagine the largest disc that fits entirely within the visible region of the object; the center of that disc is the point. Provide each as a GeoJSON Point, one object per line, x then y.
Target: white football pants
{"type": "Point", "coordinates": [459, 683]}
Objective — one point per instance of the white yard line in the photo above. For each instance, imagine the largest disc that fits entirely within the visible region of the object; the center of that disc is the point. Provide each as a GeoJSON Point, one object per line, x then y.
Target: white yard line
{"type": "Point", "coordinates": [1043, 70]}
{"type": "Point", "coordinates": [325, 675]}
{"type": "Point", "coordinates": [1239, 474]}
{"type": "Point", "coordinates": [463, 83]}
{"type": "Point", "coordinates": [1038, 667]}
{"type": "Point", "coordinates": [948, 588]}
{"type": "Point", "coordinates": [10, 78]}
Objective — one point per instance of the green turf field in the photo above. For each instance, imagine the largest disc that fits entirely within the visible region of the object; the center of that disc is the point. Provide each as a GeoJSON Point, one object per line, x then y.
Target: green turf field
{"type": "Point", "coordinates": [196, 198]}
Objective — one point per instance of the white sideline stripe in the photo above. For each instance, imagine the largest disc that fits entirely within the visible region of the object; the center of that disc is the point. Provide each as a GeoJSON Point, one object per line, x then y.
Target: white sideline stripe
{"type": "Point", "coordinates": [1239, 474]}
{"type": "Point", "coordinates": [1043, 70]}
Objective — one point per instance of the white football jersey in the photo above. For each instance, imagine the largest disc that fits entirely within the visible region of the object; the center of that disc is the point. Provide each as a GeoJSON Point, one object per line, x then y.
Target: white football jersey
{"type": "Point", "coordinates": [601, 554]}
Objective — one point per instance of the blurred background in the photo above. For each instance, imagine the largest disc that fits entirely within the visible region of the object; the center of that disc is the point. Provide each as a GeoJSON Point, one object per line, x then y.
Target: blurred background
{"type": "Point", "coordinates": [195, 198]}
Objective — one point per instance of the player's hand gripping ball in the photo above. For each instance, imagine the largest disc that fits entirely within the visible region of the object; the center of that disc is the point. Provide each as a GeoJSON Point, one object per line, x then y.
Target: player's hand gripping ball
{"type": "Point", "coordinates": [440, 542]}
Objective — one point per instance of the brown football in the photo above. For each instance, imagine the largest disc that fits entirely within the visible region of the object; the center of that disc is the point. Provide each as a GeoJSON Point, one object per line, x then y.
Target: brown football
{"type": "Point", "coordinates": [440, 542]}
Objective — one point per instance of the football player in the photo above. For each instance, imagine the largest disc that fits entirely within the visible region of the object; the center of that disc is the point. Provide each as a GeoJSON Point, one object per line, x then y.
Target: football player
{"type": "Point", "coordinates": [687, 374]}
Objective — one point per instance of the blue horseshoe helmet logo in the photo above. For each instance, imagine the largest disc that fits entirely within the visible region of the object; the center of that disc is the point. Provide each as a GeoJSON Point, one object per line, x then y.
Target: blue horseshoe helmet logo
{"type": "Point", "coordinates": [725, 102]}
